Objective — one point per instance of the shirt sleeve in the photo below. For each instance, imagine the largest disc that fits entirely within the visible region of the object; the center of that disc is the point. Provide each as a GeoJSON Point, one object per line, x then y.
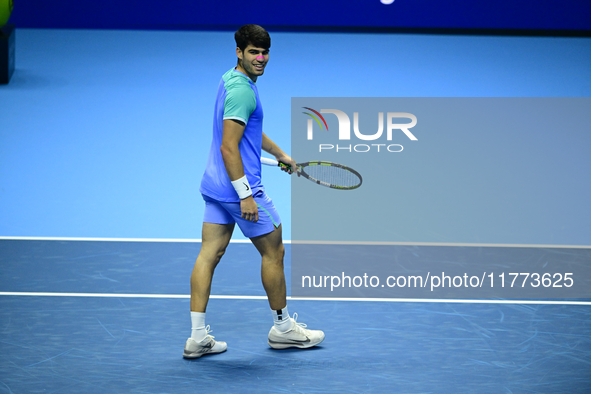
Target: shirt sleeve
{"type": "Point", "coordinates": [240, 103]}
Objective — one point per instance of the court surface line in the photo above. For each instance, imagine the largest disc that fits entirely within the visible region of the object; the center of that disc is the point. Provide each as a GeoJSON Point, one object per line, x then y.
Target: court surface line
{"type": "Point", "coordinates": [245, 297]}
{"type": "Point", "coordinates": [379, 243]}
{"type": "Point", "coordinates": [115, 239]}
{"type": "Point", "coordinates": [197, 240]}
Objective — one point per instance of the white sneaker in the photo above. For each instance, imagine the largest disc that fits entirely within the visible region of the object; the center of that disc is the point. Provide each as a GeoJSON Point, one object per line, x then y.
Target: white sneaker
{"type": "Point", "coordinates": [194, 349]}
{"type": "Point", "coordinates": [297, 336]}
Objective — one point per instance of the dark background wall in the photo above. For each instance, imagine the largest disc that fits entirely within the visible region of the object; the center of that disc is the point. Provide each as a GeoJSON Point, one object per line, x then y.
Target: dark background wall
{"type": "Point", "coordinates": [509, 16]}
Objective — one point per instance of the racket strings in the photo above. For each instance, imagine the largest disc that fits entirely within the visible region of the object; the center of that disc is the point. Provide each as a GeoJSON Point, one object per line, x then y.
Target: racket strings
{"type": "Point", "coordinates": [333, 175]}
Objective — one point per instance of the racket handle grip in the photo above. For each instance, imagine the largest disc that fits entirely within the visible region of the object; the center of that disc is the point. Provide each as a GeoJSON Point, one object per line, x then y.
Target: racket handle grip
{"type": "Point", "coordinates": [283, 165]}
{"type": "Point", "coordinates": [269, 162]}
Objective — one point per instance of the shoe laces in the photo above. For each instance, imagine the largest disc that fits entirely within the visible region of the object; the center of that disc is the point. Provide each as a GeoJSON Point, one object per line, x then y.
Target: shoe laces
{"type": "Point", "coordinates": [207, 331]}
{"type": "Point", "coordinates": [295, 320]}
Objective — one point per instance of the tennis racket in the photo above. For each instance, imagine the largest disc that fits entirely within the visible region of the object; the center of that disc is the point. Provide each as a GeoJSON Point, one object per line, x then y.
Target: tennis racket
{"type": "Point", "coordinates": [325, 173]}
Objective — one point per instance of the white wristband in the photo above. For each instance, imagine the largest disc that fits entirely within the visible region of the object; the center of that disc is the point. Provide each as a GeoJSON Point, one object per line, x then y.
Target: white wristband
{"type": "Point", "coordinates": [242, 187]}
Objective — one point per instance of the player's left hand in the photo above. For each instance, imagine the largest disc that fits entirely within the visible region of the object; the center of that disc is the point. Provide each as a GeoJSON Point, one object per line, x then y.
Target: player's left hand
{"type": "Point", "coordinates": [249, 209]}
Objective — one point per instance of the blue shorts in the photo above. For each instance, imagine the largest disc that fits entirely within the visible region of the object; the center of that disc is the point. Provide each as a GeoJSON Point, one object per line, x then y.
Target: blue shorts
{"type": "Point", "coordinates": [220, 212]}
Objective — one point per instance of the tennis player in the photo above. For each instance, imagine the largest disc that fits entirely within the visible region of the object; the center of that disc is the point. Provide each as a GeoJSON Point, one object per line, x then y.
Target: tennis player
{"type": "Point", "coordinates": [233, 194]}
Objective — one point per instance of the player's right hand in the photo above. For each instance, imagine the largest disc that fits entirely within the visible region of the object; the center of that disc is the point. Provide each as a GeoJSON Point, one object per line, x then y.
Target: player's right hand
{"type": "Point", "coordinates": [249, 209]}
{"type": "Point", "coordinates": [285, 159]}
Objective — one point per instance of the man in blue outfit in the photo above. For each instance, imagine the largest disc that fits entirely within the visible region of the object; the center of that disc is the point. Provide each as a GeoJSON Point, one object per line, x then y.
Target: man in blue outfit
{"type": "Point", "coordinates": [233, 193]}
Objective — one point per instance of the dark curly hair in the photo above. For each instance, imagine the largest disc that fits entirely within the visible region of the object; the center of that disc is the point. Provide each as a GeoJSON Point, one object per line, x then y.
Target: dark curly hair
{"type": "Point", "coordinates": [254, 35]}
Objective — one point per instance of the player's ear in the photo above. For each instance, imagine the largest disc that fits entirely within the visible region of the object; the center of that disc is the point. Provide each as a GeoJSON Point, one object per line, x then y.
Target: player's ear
{"type": "Point", "coordinates": [239, 53]}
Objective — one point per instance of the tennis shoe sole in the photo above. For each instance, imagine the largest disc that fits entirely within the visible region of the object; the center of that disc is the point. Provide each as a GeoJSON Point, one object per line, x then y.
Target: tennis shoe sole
{"type": "Point", "coordinates": [298, 336]}
{"type": "Point", "coordinates": [208, 345]}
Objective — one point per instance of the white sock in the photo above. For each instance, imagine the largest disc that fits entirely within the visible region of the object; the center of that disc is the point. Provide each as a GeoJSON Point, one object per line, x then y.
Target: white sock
{"type": "Point", "coordinates": [198, 332]}
{"type": "Point", "coordinates": [281, 319]}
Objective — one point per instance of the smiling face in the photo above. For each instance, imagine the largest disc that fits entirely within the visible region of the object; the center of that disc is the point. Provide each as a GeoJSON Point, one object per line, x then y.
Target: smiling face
{"type": "Point", "coordinates": [252, 61]}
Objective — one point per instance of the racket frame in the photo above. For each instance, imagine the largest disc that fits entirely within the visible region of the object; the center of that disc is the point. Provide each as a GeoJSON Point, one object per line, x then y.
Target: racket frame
{"type": "Point", "coordinates": [301, 170]}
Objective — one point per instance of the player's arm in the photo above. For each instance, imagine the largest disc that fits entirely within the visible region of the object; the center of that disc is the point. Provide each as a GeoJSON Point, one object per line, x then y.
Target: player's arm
{"type": "Point", "coordinates": [270, 147]}
{"type": "Point", "coordinates": [232, 134]}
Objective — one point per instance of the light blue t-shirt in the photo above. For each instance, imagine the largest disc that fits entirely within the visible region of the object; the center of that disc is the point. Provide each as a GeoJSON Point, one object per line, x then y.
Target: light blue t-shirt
{"type": "Point", "coordinates": [237, 98]}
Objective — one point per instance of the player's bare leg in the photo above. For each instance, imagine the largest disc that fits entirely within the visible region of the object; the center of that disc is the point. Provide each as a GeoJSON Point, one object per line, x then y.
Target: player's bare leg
{"type": "Point", "coordinates": [215, 239]}
{"type": "Point", "coordinates": [272, 251]}
{"type": "Point", "coordinates": [286, 332]}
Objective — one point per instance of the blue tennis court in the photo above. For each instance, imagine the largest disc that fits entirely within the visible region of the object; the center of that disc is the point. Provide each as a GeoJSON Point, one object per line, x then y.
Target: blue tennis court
{"type": "Point", "coordinates": [102, 316]}
{"type": "Point", "coordinates": [103, 139]}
